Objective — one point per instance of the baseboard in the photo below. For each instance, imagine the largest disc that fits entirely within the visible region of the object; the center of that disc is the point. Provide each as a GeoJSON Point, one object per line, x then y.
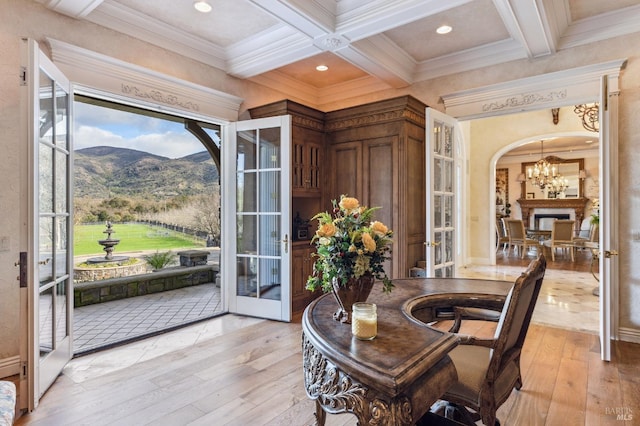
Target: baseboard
{"type": "Point", "coordinates": [631, 335]}
{"type": "Point", "coordinates": [10, 366]}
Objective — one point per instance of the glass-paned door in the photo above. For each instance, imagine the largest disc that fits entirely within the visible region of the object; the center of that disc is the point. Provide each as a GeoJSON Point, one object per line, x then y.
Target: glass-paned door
{"type": "Point", "coordinates": [441, 194]}
{"type": "Point", "coordinates": [51, 254]}
{"type": "Point", "coordinates": [256, 238]}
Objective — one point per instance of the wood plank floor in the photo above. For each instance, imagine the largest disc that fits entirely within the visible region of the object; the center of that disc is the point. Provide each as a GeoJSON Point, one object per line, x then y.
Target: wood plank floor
{"type": "Point", "coordinates": [246, 371]}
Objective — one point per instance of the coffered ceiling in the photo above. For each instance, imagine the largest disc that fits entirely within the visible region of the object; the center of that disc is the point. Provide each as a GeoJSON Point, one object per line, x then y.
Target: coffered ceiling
{"type": "Point", "coordinates": [367, 44]}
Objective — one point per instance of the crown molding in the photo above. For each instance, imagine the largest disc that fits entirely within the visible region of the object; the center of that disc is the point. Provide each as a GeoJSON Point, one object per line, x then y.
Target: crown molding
{"type": "Point", "coordinates": [614, 24]}
{"type": "Point", "coordinates": [115, 79]}
{"type": "Point", "coordinates": [74, 8]}
{"type": "Point", "coordinates": [567, 87]}
{"type": "Point", "coordinates": [471, 59]}
{"type": "Point", "coordinates": [125, 20]}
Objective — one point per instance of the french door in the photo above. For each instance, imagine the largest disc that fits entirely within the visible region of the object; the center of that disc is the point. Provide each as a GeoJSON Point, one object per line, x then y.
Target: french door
{"type": "Point", "coordinates": [50, 258]}
{"type": "Point", "coordinates": [442, 184]}
{"type": "Point", "coordinates": [257, 217]}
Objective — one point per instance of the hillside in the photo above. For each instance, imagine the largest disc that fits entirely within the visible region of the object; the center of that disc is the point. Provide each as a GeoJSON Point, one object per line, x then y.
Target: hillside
{"type": "Point", "coordinates": [104, 172]}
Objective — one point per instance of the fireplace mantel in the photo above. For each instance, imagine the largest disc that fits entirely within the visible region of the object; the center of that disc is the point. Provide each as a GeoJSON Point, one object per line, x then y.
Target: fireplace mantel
{"type": "Point", "coordinates": [577, 204]}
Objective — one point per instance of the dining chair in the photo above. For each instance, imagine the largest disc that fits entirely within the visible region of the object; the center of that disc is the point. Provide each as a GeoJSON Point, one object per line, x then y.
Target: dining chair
{"type": "Point", "coordinates": [562, 237]}
{"type": "Point", "coordinates": [502, 238]}
{"type": "Point", "coordinates": [489, 369]}
{"type": "Point", "coordinates": [518, 237]}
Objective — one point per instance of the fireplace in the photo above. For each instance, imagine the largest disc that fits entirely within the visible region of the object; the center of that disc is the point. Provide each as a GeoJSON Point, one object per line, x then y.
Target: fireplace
{"type": "Point", "coordinates": [577, 206]}
{"type": "Point", "coordinates": [545, 221]}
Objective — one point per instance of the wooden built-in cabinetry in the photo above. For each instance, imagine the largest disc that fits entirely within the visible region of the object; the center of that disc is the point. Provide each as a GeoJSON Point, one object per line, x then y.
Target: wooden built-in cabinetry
{"type": "Point", "coordinates": [374, 152]}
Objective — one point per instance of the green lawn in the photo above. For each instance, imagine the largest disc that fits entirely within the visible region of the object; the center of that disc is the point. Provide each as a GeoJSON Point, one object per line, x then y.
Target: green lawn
{"type": "Point", "coordinates": [133, 237]}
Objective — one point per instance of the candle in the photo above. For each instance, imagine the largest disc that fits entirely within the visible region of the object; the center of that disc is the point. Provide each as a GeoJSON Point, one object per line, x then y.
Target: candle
{"type": "Point", "coordinates": [364, 321]}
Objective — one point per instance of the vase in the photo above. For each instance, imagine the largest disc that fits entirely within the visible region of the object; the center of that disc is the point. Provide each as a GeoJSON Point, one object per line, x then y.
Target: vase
{"type": "Point", "coordinates": [355, 290]}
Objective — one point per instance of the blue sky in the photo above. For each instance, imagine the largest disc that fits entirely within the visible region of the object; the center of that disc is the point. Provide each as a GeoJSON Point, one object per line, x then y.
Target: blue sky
{"type": "Point", "coordinates": [99, 126]}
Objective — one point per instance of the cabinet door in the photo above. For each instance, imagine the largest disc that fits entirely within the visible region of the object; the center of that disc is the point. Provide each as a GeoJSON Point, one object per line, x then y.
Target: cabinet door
{"type": "Point", "coordinates": [306, 160]}
{"type": "Point", "coordinates": [302, 258]}
{"type": "Point", "coordinates": [346, 176]}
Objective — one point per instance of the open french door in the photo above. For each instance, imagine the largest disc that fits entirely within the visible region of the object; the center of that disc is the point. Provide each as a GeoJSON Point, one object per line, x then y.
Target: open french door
{"type": "Point", "coordinates": [257, 217]}
{"type": "Point", "coordinates": [608, 216]}
{"type": "Point", "coordinates": [442, 198]}
{"type": "Point", "coordinates": [50, 256]}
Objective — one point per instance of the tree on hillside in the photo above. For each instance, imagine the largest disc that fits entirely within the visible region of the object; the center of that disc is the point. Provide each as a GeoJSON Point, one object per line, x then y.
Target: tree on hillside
{"type": "Point", "coordinates": [207, 213]}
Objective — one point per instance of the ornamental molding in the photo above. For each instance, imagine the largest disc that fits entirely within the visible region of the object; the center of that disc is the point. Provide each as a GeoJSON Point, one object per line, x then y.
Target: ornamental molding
{"type": "Point", "coordinates": [158, 96]}
{"type": "Point", "coordinates": [308, 123]}
{"type": "Point", "coordinates": [525, 100]}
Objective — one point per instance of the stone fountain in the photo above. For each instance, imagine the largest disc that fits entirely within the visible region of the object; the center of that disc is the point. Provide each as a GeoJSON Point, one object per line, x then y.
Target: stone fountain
{"type": "Point", "coordinates": [108, 244]}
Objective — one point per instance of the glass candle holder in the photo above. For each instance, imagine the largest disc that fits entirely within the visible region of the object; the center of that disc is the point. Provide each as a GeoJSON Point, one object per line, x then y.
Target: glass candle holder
{"type": "Point", "coordinates": [364, 321]}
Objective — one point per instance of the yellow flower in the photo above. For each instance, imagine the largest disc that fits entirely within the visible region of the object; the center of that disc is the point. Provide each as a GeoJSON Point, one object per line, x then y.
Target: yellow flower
{"type": "Point", "coordinates": [369, 243]}
{"type": "Point", "coordinates": [348, 203]}
{"type": "Point", "coordinates": [326, 230]}
{"type": "Point", "coordinates": [379, 228]}
{"type": "Point", "coordinates": [352, 248]}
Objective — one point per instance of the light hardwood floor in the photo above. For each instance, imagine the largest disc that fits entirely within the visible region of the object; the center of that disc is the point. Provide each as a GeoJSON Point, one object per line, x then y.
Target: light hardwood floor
{"type": "Point", "coordinates": [244, 371]}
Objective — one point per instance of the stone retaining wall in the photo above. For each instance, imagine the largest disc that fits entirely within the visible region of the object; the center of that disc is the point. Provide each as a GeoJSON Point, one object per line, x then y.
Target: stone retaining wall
{"type": "Point", "coordinates": [137, 285]}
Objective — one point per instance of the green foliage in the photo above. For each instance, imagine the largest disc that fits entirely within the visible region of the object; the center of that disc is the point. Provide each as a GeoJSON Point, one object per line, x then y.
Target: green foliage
{"type": "Point", "coordinates": [132, 236]}
{"type": "Point", "coordinates": [159, 260]}
{"type": "Point", "coordinates": [349, 245]}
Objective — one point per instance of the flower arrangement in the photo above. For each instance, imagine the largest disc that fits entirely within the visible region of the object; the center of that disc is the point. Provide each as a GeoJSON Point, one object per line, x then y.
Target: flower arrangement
{"type": "Point", "coordinates": [349, 245]}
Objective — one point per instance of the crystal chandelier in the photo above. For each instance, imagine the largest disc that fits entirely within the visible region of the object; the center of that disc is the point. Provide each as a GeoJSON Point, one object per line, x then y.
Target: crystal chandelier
{"type": "Point", "coordinates": [543, 174]}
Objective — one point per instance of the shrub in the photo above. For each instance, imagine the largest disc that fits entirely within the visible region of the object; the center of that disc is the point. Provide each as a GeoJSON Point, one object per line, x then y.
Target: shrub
{"type": "Point", "coordinates": [159, 260]}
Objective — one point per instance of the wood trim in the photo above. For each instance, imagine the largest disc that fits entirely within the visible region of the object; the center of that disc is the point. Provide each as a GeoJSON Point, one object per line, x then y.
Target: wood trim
{"type": "Point", "coordinates": [577, 204]}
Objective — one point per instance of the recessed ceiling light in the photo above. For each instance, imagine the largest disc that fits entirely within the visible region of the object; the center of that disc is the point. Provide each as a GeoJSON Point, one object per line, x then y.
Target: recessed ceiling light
{"type": "Point", "coordinates": [322, 67]}
{"type": "Point", "coordinates": [202, 6]}
{"type": "Point", "coordinates": [444, 29]}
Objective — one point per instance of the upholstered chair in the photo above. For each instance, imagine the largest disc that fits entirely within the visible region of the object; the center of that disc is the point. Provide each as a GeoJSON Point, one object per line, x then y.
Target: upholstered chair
{"type": "Point", "coordinates": [562, 236]}
{"type": "Point", "coordinates": [518, 237]}
{"type": "Point", "coordinates": [489, 369]}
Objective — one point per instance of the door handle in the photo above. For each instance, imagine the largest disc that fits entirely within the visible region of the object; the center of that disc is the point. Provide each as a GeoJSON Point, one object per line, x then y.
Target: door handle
{"type": "Point", "coordinates": [609, 253]}
{"type": "Point", "coordinates": [432, 243]}
{"type": "Point", "coordinates": [285, 241]}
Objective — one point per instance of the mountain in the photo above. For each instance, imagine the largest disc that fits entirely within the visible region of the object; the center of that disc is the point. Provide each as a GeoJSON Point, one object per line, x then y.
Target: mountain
{"type": "Point", "coordinates": [104, 172]}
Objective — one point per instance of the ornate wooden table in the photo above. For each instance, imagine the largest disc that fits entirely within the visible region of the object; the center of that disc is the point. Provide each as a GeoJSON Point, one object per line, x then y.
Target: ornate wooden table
{"type": "Point", "coordinates": [395, 378]}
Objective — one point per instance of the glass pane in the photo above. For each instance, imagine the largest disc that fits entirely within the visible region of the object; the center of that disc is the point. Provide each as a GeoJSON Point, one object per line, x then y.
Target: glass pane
{"type": "Point", "coordinates": [247, 276]}
{"type": "Point", "coordinates": [270, 279]}
{"type": "Point", "coordinates": [448, 272]}
{"type": "Point", "coordinates": [61, 181]}
{"type": "Point", "coordinates": [437, 174]}
{"type": "Point", "coordinates": [448, 142]}
{"type": "Point", "coordinates": [437, 211]}
{"type": "Point", "coordinates": [61, 246]}
{"type": "Point", "coordinates": [269, 191]}
{"type": "Point", "coordinates": [448, 246]}
{"type": "Point", "coordinates": [448, 210]}
{"type": "Point", "coordinates": [46, 250]}
{"type": "Point", "coordinates": [437, 138]}
{"type": "Point", "coordinates": [246, 153]}
{"type": "Point", "coordinates": [438, 248]}
{"type": "Point", "coordinates": [270, 148]}
{"type": "Point", "coordinates": [438, 273]}
{"type": "Point", "coordinates": [46, 108]}
{"type": "Point", "coordinates": [61, 329]}
{"type": "Point", "coordinates": [269, 235]}
{"type": "Point", "coordinates": [61, 132]}
{"type": "Point", "coordinates": [46, 178]}
{"type": "Point", "coordinates": [448, 176]}
{"type": "Point", "coordinates": [247, 235]}
{"type": "Point", "coordinates": [247, 192]}
{"type": "Point", "coordinates": [46, 321]}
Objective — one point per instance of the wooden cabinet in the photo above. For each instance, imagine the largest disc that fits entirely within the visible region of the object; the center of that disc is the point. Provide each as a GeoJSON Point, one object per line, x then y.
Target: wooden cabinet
{"type": "Point", "coordinates": [302, 266]}
{"type": "Point", "coordinates": [376, 153]}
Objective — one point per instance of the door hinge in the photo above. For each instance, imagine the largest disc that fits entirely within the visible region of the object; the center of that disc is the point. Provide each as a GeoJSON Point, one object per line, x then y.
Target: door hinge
{"type": "Point", "coordinates": [23, 76]}
{"type": "Point", "coordinates": [24, 371]}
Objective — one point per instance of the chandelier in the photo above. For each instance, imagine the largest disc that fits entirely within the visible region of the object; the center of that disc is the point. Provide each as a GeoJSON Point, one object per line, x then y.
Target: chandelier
{"type": "Point", "coordinates": [544, 174]}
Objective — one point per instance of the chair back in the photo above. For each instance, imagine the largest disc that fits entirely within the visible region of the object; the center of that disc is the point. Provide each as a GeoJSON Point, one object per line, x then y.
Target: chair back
{"type": "Point", "coordinates": [500, 228]}
{"type": "Point", "coordinates": [515, 229]}
{"type": "Point", "coordinates": [595, 233]}
{"type": "Point", "coordinates": [563, 230]}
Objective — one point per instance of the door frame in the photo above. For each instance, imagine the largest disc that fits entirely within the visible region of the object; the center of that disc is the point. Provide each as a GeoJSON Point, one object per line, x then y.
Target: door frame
{"type": "Point", "coordinates": [568, 87]}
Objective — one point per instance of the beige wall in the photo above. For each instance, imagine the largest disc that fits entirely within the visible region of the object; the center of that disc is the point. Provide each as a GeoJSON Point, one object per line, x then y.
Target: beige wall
{"type": "Point", "coordinates": [27, 18]}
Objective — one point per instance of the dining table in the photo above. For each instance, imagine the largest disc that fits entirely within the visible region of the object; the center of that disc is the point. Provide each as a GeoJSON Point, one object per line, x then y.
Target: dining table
{"type": "Point", "coordinates": [395, 378]}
